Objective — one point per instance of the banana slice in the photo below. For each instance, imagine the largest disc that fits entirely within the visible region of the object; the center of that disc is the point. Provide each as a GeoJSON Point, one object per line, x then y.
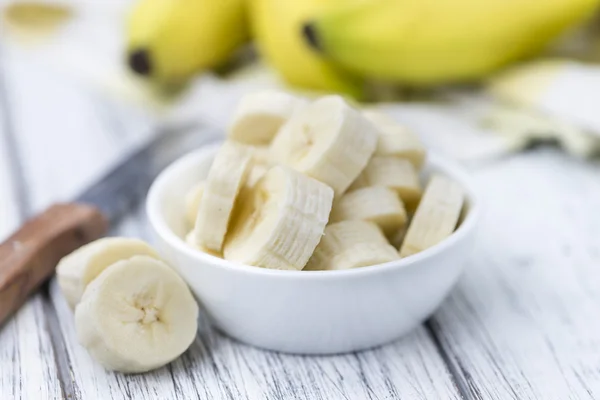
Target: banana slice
{"type": "Point", "coordinates": [78, 269]}
{"type": "Point", "coordinates": [189, 239]}
{"type": "Point", "coordinates": [226, 177]}
{"type": "Point", "coordinates": [257, 172]}
{"type": "Point", "coordinates": [376, 204]}
{"type": "Point", "coordinates": [280, 147]}
{"type": "Point", "coordinates": [351, 244]}
{"type": "Point", "coordinates": [260, 115]}
{"type": "Point", "coordinates": [137, 315]}
{"type": "Point", "coordinates": [396, 140]}
{"type": "Point", "coordinates": [192, 202]}
{"type": "Point", "coordinates": [395, 173]}
{"type": "Point", "coordinates": [260, 155]}
{"type": "Point", "coordinates": [436, 217]}
{"type": "Point", "coordinates": [397, 238]}
{"type": "Point", "coordinates": [327, 140]}
{"type": "Point", "coordinates": [280, 221]}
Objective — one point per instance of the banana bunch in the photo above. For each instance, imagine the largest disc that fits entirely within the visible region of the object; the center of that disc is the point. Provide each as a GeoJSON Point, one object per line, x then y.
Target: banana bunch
{"type": "Point", "coordinates": [318, 185]}
{"type": "Point", "coordinates": [133, 313]}
{"type": "Point", "coordinates": [277, 27]}
{"type": "Point", "coordinates": [425, 42]}
{"type": "Point", "coordinates": [171, 40]}
{"type": "Point", "coordinates": [337, 45]}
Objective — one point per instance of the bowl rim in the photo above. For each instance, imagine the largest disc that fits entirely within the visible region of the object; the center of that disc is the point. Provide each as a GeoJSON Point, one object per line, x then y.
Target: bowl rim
{"type": "Point", "coordinates": [161, 228]}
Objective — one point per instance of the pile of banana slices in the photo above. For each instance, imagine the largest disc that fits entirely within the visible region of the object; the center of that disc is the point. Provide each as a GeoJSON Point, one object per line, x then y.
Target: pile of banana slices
{"type": "Point", "coordinates": [298, 185]}
{"type": "Point", "coordinates": [318, 185]}
{"type": "Point", "coordinates": [133, 312]}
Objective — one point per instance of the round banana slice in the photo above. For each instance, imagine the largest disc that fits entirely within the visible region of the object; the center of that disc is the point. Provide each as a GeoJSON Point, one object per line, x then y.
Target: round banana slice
{"type": "Point", "coordinates": [396, 140]}
{"type": "Point", "coordinates": [376, 204]}
{"type": "Point", "coordinates": [137, 315]}
{"type": "Point", "coordinates": [260, 115]}
{"type": "Point", "coordinates": [327, 140]}
{"type": "Point", "coordinates": [436, 217]}
{"type": "Point", "coordinates": [192, 202]}
{"type": "Point", "coordinates": [226, 177]}
{"type": "Point", "coordinates": [78, 269]}
{"type": "Point", "coordinates": [395, 173]}
{"type": "Point", "coordinates": [351, 244]}
{"type": "Point", "coordinates": [280, 221]}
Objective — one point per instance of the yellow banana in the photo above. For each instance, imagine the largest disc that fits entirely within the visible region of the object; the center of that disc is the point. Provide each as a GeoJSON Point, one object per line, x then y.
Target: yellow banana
{"type": "Point", "coordinates": [277, 25]}
{"type": "Point", "coordinates": [423, 42]}
{"type": "Point", "coordinates": [171, 40]}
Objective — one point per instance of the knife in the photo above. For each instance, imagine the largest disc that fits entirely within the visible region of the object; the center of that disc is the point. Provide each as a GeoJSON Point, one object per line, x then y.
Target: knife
{"type": "Point", "coordinates": [29, 256]}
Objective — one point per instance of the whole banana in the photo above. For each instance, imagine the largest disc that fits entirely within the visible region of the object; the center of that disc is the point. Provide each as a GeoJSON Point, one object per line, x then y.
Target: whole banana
{"type": "Point", "coordinates": [424, 42]}
{"type": "Point", "coordinates": [277, 26]}
{"type": "Point", "coordinates": [171, 40]}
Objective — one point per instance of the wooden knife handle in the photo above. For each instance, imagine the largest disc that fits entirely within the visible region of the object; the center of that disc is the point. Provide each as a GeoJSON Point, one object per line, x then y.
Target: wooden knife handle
{"type": "Point", "coordinates": [29, 256]}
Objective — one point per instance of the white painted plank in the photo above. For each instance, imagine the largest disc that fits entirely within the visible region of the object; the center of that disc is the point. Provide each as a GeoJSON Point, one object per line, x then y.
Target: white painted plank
{"type": "Point", "coordinates": [216, 367]}
{"type": "Point", "coordinates": [66, 136]}
{"type": "Point", "coordinates": [9, 212]}
{"type": "Point", "coordinates": [27, 366]}
{"type": "Point", "coordinates": [408, 368]}
{"type": "Point", "coordinates": [524, 322]}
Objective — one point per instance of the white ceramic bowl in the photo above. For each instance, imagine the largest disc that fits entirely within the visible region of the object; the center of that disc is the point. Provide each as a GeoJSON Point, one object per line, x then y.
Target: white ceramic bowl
{"type": "Point", "coordinates": [309, 312]}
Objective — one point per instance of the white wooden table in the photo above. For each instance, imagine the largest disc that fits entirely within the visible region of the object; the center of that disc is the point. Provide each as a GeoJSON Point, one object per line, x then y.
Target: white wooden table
{"type": "Point", "coordinates": [523, 323]}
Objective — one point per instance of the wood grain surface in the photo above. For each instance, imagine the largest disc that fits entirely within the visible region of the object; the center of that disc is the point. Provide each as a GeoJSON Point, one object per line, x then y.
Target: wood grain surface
{"type": "Point", "coordinates": [522, 323]}
{"type": "Point", "coordinates": [27, 365]}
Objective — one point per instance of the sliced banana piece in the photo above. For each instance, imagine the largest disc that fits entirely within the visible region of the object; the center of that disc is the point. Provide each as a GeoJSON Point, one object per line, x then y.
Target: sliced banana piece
{"type": "Point", "coordinates": [395, 173]}
{"type": "Point", "coordinates": [351, 244]}
{"type": "Point", "coordinates": [436, 217]}
{"type": "Point", "coordinates": [260, 115]}
{"type": "Point", "coordinates": [257, 172]}
{"type": "Point", "coordinates": [192, 202]}
{"type": "Point", "coordinates": [226, 177]}
{"type": "Point", "coordinates": [189, 239]}
{"type": "Point", "coordinates": [327, 140]}
{"type": "Point", "coordinates": [280, 221]}
{"type": "Point", "coordinates": [376, 204]}
{"type": "Point", "coordinates": [280, 147]}
{"type": "Point", "coordinates": [396, 140]}
{"type": "Point", "coordinates": [78, 269]}
{"type": "Point", "coordinates": [137, 315]}
{"type": "Point", "coordinates": [260, 155]}
{"type": "Point", "coordinates": [397, 237]}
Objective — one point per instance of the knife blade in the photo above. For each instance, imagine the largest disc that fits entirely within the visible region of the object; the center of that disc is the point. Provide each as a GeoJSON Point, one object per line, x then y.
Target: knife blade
{"type": "Point", "coordinates": [29, 256]}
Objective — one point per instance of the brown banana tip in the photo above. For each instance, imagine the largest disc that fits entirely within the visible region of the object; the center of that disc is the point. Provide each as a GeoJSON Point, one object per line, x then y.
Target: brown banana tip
{"type": "Point", "coordinates": [139, 62]}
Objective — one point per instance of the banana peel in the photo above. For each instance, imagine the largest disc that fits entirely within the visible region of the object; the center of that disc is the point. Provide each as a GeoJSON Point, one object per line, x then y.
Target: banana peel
{"type": "Point", "coordinates": [170, 41]}
{"type": "Point", "coordinates": [424, 43]}
{"type": "Point", "coordinates": [277, 28]}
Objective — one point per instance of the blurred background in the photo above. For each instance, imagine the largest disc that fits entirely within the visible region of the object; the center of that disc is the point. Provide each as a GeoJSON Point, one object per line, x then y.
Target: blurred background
{"type": "Point", "coordinates": [475, 80]}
